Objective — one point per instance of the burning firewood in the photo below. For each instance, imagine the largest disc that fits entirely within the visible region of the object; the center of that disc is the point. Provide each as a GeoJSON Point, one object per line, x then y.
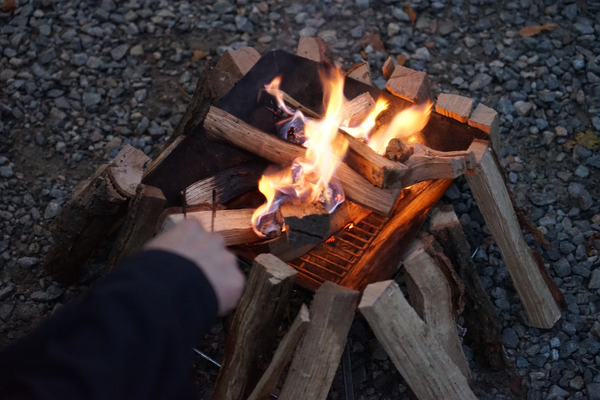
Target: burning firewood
{"type": "Point", "coordinates": [360, 72]}
{"type": "Point", "coordinates": [305, 222]}
{"type": "Point", "coordinates": [223, 126]}
{"type": "Point", "coordinates": [409, 84]}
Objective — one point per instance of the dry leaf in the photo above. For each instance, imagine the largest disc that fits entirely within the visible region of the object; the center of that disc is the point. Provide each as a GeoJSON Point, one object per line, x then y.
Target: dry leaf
{"type": "Point", "coordinates": [588, 140]}
{"type": "Point", "coordinates": [411, 13]}
{"type": "Point", "coordinates": [372, 39]}
{"type": "Point", "coordinates": [529, 31]}
{"type": "Point", "coordinates": [401, 59]}
{"type": "Point", "coordinates": [9, 5]}
{"type": "Point", "coordinates": [199, 55]}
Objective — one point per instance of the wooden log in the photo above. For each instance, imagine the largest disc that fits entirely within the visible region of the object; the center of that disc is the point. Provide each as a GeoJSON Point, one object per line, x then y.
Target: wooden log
{"type": "Point", "coordinates": [222, 126]}
{"type": "Point", "coordinates": [388, 68]}
{"type": "Point", "coordinates": [382, 258]}
{"type": "Point", "coordinates": [235, 226]}
{"type": "Point", "coordinates": [238, 62]}
{"type": "Point", "coordinates": [397, 150]}
{"type": "Point", "coordinates": [411, 344]}
{"type": "Point", "coordinates": [227, 184]}
{"type": "Point", "coordinates": [139, 226]}
{"type": "Point", "coordinates": [213, 84]}
{"type": "Point", "coordinates": [484, 330]}
{"type": "Point", "coordinates": [163, 154]}
{"type": "Point", "coordinates": [306, 223]}
{"type": "Point", "coordinates": [360, 72]}
{"type": "Point", "coordinates": [431, 296]}
{"type": "Point", "coordinates": [282, 356]}
{"type": "Point", "coordinates": [320, 350]}
{"type": "Point", "coordinates": [486, 119]}
{"type": "Point", "coordinates": [454, 106]}
{"type": "Point", "coordinates": [410, 85]}
{"type": "Point", "coordinates": [494, 203]}
{"type": "Point", "coordinates": [314, 48]}
{"type": "Point", "coordinates": [251, 339]}
{"type": "Point", "coordinates": [357, 109]}
{"type": "Point", "coordinates": [89, 216]}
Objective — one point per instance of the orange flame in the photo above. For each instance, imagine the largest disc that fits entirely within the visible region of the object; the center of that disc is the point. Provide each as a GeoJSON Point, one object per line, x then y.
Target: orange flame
{"type": "Point", "coordinates": [405, 124]}
{"type": "Point", "coordinates": [364, 129]}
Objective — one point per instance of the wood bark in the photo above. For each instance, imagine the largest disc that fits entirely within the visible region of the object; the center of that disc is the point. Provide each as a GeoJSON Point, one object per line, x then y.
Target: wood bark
{"type": "Point", "coordinates": [140, 223]}
{"type": "Point", "coordinates": [222, 126]}
{"type": "Point", "coordinates": [306, 223]}
{"type": "Point", "coordinates": [235, 226]}
{"type": "Point", "coordinates": [282, 356]}
{"type": "Point", "coordinates": [88, 217]}
{"type": "Point", "coordinates": [454, 106]}
{"type": "Point", "coordinates": [320, 350]}
{"type": "Point", "coordinates": [251, 339]}
{"type": "Point", "coordinates": [227, 184]}
{"type": "Point", "coordinates": [431, 295]}
{"type": "Point", "coordinates": [483, 326]}
{"type": "Point", "coordinates": [410, 85]}
{"type": "Point", "coordinates": [411, 344]}
{"type": "Point", "coordinates": [486, 119]}
{"type": "Point", "coordinates": [494, 203]}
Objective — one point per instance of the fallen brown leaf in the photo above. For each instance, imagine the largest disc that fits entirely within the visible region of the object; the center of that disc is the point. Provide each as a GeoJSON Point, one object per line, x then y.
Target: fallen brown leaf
{"type": "Point", "coordinates": [9, 6]}
{"type": "Point", "coordinates": [372, 39]}
{"type": "Point", "coordinates": [529, 31]}
{"type": "Point", "coordinates": [411, 13]}
{"type": "Point", "coordinates": [199, 55]}
{"type": "Point", "coordinates": [401, 59]}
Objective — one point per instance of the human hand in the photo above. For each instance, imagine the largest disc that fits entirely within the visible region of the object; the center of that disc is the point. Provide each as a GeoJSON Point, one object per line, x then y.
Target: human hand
{"type": "Point", "coordinates": [207, 250]}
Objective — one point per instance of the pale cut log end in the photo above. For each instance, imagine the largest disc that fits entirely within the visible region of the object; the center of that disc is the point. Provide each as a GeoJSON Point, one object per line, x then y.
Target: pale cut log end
{"type": "Point", "coordinates": [487, 119]}
{"type": "Point", "coordinates": [279, 270]}
{"type": "Point", "coordinates": [454, 106]}
{"type": "Point", "coordinates": [388, 68]}
{"type": "Point", "coordinates": [442, 216]}
{"type": "Point", "coordinates": [127, 170]}
{"type": "Point", "coordinates": [360, 72]}
{"type": "Point", "coordinates": [410, 85]}
{"type": "Point", "coordinates": [374, 292]}
{"type": "Point", "coordinates": [313, 48]}
{"type": "Point", "coordinates": [238, 62]}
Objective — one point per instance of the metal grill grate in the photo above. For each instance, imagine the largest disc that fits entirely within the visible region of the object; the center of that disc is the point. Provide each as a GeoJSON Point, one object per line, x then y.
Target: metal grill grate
{"type": "Point", "coordinates": [334, 259]}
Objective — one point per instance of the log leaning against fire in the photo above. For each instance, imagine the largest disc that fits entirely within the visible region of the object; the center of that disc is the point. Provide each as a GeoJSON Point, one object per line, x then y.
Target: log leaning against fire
{"type": "Point", "coordinates": [222, 126]}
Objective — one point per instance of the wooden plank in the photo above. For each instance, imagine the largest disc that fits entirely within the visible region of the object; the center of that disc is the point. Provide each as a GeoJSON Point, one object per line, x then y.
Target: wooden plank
{"type": "Point", "coordinates": [92, 212]}
{"type": "Point", "coordinates": [227, 184]}
{"type": "Point", "coordinates": [360, 72]}
{"type": "Point", "coordinates": [238, 62]}
{"type": "Point", "coordinates": [251, 339]}
{"type": "Point", "coordinates": [494, 203]}
{"type": "Point", "coordinates": [314, 48]}
{"type": "Point", "coordinates": [140, 223]}
{"type": "Point", "coordinates": [411, 344]}
{"type": "Point", "coordinates": [486, 119]}
{"type": "Point", "coordinates": [431, 296]}
{"type": "Point", "coordinates": [282, 356]}
{"type": "Point", "coordinates": [388, 68]}
{"type": "Point", "coordinates": [484, 330]}
{"type": "Point", "coordinates": [454, 106]}
{"type": "Point", "coordinates": [235, 226]}
{"type": "Point", "coordinates": [222, 126]}
{"type": "Point", "coordinates": [320, 351]}
{"type": "Point", "coordinates": [410, 85]}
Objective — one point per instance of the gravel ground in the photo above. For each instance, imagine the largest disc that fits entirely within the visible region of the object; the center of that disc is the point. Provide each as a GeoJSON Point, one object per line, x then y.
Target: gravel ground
{"type": "Point", "coordinates": [80, 79]}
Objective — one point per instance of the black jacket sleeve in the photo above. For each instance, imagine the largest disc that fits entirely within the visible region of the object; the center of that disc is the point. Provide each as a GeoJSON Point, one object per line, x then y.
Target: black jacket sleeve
{"type": "Point", "coordinates": [129, 337]}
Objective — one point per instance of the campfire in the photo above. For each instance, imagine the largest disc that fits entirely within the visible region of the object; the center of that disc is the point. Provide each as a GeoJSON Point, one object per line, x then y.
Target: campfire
{"type": "Point", "coordinates": [323, 180]}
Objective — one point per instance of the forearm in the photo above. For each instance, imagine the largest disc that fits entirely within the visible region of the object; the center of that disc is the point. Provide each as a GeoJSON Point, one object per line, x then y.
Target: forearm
{"type": "Point", "coordinates": [129, 337]}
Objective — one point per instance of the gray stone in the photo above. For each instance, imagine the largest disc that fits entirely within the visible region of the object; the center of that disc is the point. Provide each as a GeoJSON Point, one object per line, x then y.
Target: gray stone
{"type": "Point", "coordinates": [480, 81]}
{"type": "Point", "coordinates": [582, 171]}
{"type": "Point", "coordinates": [140, 95]}
{"type": "Point", "coordinates": [593, 161]}
{"type": "Point", "coordinates": [585, 200]}
{"type": "Point", "coordinates": [93, 62]}
{"type": "Point", "coordinates": [47, 56]}
{"type": "Point", "coordinates": [505, 106]}
{"type": "Point", "coordinates": [568, 348]}
{"type": "Point", "coordinates": [594, 279]}
{"type": "Point", "coordinates": [523, 107]}
{"type": "Point", "coordinates": [556, 393]}
{"type": "Point", "coordinates": [27, 262]}
{"type": "Point", "coordinates": [52, 210]}
{"type": "Point", "coordinates": [119, 52]}
{"type": "Point", "coordinates": [593, 391]}
{"type": "Point", "coordinates": [91, 99]}
{"type": "Point", "coordinates": [575, 189]}
{"type": "Point", "coordinates": [542, 199]}
{"type": "Point", "coordinates": [52, 293]}
{"type": "Point", "coordinates": [137, 50]}
{"type": "Point", "coordinates": [6, 309]}
{"type": "Point", "coordinates": [510, 338]}
{"type": "Point", "coordinates": [6, 291]}
{"type": "Point", "coordinates": [400, 15]}
{"type": "Point", "coordinates": [562, 268]}
{"type": "Point", "coordinates": [583, 26]}
{"type": "Point", "coordinates": [79, 59]}
{"type": "Point", "coordinates": [362, 4]}
{"type": "Point", "coordinates": [566, 247]}
{"type": "Point", "coordinates": [6, 171]}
